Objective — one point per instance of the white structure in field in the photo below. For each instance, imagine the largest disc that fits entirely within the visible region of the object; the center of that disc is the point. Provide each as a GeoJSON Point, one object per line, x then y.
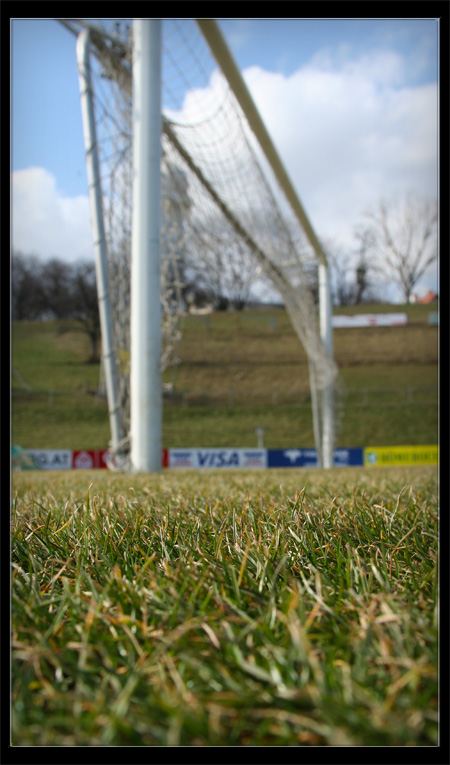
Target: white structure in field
{"type": "Point", "coordinates": [232, 182]}
{"type": "Point", "coordinates": [370, 320]}
{"type": "Point", "coordinates": [145, 373]}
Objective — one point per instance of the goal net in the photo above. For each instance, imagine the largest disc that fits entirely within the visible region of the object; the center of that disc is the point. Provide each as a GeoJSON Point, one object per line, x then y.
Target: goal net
{"type": "Point", "coordinates": [222, 205]}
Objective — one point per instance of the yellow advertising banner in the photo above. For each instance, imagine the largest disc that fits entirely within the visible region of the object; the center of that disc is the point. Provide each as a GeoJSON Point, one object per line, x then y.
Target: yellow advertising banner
{"type": "Point", "coordinates": [380, 456]}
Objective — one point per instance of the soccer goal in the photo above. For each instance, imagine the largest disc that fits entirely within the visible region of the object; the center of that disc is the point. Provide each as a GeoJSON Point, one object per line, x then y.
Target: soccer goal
{"type": "Point", "coordinates": [180, 165]}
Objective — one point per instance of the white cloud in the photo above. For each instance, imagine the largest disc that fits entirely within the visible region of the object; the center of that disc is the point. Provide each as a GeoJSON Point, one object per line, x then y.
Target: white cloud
{"type": "Point", "coordinates": [44, 222]}
{"type": "Point", "coordinates": [349, 131]}
{"type": "Point", "coordinates": [350, 136]}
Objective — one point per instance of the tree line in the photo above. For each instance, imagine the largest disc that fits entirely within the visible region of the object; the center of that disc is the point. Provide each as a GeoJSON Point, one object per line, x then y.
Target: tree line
{"type": "Point", "coordinates": [56, 289]}
{"type": "Point", "coordinates": [396, 244]}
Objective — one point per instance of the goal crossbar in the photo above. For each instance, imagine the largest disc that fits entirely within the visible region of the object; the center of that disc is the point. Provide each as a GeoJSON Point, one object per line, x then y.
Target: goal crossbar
{"type": "Point", "coordinates": [221, 53]}
{"type": "Point", "coordinates": [110, 52]}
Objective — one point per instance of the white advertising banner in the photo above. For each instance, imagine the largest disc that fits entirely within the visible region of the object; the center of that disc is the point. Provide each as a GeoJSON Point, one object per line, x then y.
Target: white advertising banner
{"type": "Point", "coordinates": [218, 458]}
{"type": "Point", "coordinates": [370, 320]}
{"type": "Point", "coordinates": [52, 459]}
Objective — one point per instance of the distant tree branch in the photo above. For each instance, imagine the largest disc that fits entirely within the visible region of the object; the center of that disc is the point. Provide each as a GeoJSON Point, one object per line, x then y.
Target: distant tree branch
{"type": "Point", "coordinates": [405, 238]}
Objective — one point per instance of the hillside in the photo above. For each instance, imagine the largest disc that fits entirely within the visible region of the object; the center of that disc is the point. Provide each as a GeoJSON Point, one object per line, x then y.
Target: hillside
{"type": "Point", "coordinates": [238, 372]}
{"type": "Point", "coordinates": [259, 352]}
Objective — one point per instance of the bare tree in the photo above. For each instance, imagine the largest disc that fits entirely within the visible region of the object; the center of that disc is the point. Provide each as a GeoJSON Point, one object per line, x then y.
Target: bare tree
{"type": "Point", "coordinates": [57, 286]}
{"type": "Point", "coordinates": [341, 269]}
{"type": "Point", "coordinates": [366, 271]}
{"type": "Point", "coordinates": [224, 271]}
{"type": "Point", "coordinates": [27, 298]}
{"type": "Point", "coordinates": [58, 290]}
{"type": "Point", "coordinates": [85, 304]}
{"type": "Point", "coordinates": [405, 237]}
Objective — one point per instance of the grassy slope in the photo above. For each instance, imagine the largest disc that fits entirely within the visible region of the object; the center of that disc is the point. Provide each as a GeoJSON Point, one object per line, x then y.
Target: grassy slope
{"type": "Point", "coordinates": [246, 357]}
{"type": "Point", "coordinates": [287, 608]}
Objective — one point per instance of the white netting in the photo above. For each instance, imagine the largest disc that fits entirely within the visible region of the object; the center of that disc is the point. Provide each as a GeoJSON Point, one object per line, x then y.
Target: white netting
{"type": "Point", "coordinates": [222, 208]}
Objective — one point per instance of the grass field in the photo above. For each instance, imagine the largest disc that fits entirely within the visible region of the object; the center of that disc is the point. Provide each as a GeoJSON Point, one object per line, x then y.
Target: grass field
{"type": "Point", "coordinates": [276, 608]}
{"type": "Point", "coordinates": [238, 372]}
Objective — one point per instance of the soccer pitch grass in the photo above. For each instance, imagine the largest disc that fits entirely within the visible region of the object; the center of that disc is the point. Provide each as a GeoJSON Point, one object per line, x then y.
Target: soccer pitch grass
{"type": "Point", "coordinates": [228, 379]}
{"type": "Point", "coordinates": [275, 608]}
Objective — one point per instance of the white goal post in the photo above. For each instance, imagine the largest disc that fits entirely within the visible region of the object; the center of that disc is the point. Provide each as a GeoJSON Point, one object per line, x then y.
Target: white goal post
{"type": "Point", "coordinates": [167, 175]}
{"type": "Point", "coordinates": [99, 238]}
{"type": "Point", "coordinates": [145, 372]}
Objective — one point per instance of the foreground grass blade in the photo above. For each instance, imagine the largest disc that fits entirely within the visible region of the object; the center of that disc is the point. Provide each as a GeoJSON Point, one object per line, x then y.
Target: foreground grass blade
{"type": "Point", "coordinates": [283, 609]}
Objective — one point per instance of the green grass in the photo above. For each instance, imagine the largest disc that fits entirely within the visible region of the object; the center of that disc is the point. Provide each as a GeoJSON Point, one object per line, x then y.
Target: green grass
{"type": "Point", "coordinates": [292, 426]}
{"type": "Point", "coordinates": [284, 608]}
{"type": "Point", "coordinates": [237, 372]}
{"type": "Point", "coordinates": [50, 359]}
{"type": "Point", "coordinates": [74, 421]}
{"type": "Point", "coordinates": [81, 422]}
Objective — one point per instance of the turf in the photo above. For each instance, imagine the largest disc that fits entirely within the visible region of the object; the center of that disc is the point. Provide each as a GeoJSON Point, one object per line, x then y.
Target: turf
{"type": "Point", "coordinates": [277, 608]}
{"type": "Point", "coordinates": [238, 372]}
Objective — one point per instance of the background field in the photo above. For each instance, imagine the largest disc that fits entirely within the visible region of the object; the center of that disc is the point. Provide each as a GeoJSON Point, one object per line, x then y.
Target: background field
{"type": "Point", "coordinates": [238, 372]}
{"type": "Point", "coordinates": [276, 608]}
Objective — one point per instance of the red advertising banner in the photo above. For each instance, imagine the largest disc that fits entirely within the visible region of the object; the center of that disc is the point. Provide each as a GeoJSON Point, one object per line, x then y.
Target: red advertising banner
{"type": "Point", "coordinates": [86, 459]}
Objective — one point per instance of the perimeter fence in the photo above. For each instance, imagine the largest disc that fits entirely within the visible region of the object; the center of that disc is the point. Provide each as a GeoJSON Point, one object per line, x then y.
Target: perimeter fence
{"type": "Point", "coordinates": [390, 396]}
{"type": "Point", "coordinates": [275, 420]}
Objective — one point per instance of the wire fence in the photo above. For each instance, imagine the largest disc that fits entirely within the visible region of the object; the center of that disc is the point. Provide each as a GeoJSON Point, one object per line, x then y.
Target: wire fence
{"type": "Point", "coordinates": [388, 396]}
{"type": "Point", "coordinates": [391, 396]}
{"type": "Point", "coordinates": [274, 419]}
{"type": "Point", "coordinates": [366, 396]}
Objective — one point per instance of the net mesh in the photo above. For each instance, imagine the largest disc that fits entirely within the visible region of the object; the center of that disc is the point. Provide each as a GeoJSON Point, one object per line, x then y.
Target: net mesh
{"type": "Point", "coordinates": [223, 212]}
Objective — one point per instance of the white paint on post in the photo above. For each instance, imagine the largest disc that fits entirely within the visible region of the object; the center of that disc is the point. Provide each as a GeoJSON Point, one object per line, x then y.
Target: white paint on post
{"type": "Point", "coordinates": [101, 267]}
{"type": "Point", "coordinates": [326, 334]}
{"type": "Point", "coordinates": [145, 373]}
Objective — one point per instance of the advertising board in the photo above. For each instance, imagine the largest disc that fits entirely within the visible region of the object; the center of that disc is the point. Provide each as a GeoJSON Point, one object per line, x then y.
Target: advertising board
{"type": "Point", "coordinates": [308, 457]}
{"type": "Point", "coordinates": [248, 459]}
{"type": "Point", "coordinates": [78, 459]}
{"type": "Point", "coordinates": [370, 320]}
{"type": "Point", "coordinates": [217, 458]}
{"type": "Point", "coordinates": [348, 457]}
{"type": "Point", "coordinates": [291, 458]}
{"type": "Point", "coordinates": [381, 456]}
{"type": "Point", "coordinates": [52, 459]}
{"type": "Point", "coordinates": [85, 460]}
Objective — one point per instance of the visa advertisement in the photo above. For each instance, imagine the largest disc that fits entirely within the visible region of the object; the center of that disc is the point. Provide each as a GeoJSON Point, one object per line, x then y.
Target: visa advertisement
{"type": "Point", "coordinates": [218, 458]}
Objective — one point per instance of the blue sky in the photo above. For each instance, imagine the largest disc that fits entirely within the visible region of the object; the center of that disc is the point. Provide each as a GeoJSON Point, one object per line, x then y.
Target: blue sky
{"type": "Point", "coordinates": [285, 44]}
{"type": "Point", "coordinates": [308, 77]}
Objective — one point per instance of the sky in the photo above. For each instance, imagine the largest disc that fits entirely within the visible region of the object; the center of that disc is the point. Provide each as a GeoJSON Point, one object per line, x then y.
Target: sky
{"type": "Point", "coordinates": [350, 104]}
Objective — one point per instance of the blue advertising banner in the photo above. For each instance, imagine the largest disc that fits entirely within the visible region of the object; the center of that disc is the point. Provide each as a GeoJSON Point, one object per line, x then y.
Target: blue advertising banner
{"type": "Point", "coordinates": [348, 457]}
{"type": "Point", "coordinates": [291, 458]}
{"type": "Point", "coordinates": [308, 457]}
